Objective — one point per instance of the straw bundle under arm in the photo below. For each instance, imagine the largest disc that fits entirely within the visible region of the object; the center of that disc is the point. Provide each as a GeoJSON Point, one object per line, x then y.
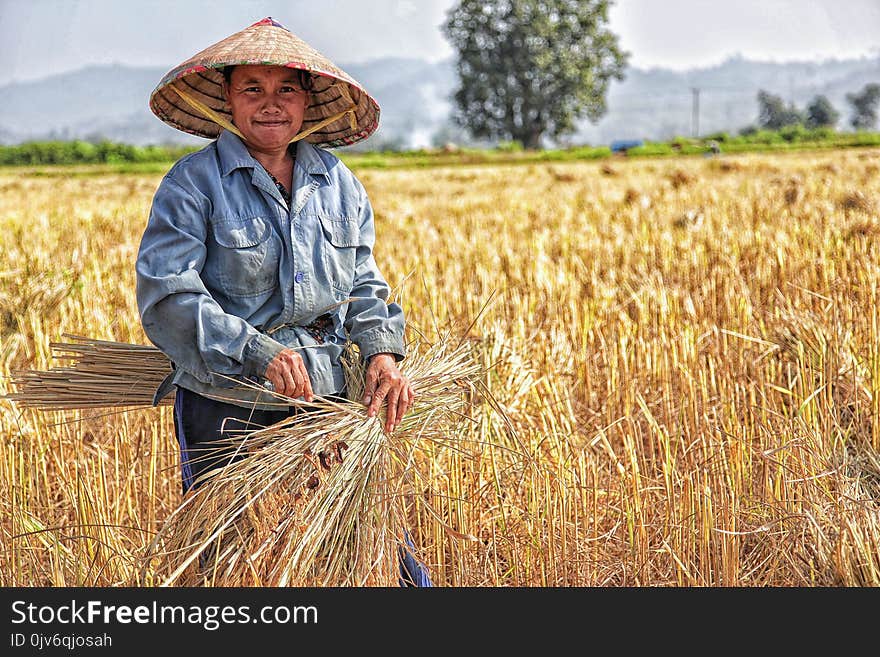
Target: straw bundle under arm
{"type": "Point", "coordinates": [100, 373]}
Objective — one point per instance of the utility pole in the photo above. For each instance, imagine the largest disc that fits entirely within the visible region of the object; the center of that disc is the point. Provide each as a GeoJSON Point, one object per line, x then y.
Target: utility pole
{"type": "Point", "coordinates": [695, 114]}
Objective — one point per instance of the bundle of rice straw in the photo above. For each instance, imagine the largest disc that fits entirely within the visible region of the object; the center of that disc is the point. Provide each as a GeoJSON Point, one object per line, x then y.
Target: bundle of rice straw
{"type": "Point", "coordinates": [102, 374]}
{"type": "Point", "coordinates": [318, 499]}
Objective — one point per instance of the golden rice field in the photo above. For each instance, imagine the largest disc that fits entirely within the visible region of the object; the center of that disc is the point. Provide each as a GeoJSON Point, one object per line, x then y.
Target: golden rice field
{"type": "Point", "coordinates": [685, 354]}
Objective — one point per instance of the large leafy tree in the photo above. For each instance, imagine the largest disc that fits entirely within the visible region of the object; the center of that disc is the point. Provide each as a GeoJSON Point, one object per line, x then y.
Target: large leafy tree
{"type": "Point", "coordinates": [531, 68]}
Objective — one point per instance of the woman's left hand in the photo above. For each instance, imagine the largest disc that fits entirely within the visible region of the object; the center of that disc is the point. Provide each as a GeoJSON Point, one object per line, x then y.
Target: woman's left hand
{"type": "Point", "coordinates": [384, 381]}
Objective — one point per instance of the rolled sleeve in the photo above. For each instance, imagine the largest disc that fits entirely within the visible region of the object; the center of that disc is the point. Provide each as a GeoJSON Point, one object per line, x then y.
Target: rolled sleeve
{"type": "Point", "coordinates": [259, 352]}
{"type": "Point", "coordinates": [382, 341]}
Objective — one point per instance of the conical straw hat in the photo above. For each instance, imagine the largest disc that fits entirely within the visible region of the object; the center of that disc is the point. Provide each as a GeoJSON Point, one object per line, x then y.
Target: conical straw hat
{"type": "Point", "coordinates": [190, 97]}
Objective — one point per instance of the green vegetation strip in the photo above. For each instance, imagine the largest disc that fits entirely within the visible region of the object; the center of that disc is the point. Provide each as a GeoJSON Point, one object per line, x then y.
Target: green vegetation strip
{"type": "Point", "coordinates": [84, 159]}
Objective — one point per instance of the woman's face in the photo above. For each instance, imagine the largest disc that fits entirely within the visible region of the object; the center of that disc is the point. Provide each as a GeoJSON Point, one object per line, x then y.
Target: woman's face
{"type": "Point", "coordinates": [268, 104]}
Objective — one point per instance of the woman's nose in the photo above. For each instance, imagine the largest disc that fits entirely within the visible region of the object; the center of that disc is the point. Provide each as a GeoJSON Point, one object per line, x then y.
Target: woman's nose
{"type": "Point", "coordinates": [271, 104]}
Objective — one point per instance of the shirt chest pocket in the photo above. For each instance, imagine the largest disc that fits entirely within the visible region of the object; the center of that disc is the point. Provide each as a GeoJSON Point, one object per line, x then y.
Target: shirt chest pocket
{"type": "Point", "coordinates": [244, 256]}
{"type": "Point", "coordinates": [339, 250]}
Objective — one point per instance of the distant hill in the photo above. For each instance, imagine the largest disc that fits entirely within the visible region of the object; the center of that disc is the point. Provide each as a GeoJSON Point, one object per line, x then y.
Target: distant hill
{"type": "Point", "coordinates": [415, 96]}
{"type": "Point", "coordinates": [91, 103]}
{"type": "Point", "coordinates": [658, 103]}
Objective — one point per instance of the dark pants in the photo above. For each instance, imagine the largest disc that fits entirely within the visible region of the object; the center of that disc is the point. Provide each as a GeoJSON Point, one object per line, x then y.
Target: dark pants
{"type": "Point", "coordinates": [199, 422]}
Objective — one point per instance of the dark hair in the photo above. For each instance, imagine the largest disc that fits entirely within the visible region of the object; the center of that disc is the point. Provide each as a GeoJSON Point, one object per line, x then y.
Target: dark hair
{"type": "Point", "coordinates": [306, 80]}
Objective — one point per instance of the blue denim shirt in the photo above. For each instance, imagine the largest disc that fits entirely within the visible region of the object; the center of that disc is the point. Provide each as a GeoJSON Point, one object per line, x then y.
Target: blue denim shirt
{"type": "Point", "coordinates": [228, 275]}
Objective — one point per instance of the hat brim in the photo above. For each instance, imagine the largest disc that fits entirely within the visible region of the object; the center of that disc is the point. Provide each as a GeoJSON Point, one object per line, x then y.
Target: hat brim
{"type": "Point", "coordinates": [266, 43]}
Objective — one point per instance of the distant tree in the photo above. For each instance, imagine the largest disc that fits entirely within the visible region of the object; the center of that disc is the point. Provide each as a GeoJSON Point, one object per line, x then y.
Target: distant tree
{"type": "Point", "coordinates": [774, 114]}
{"type": "Point", "coordinates": [821, 113]}
{"type": "Point", "coordinates": [530, 68]}
{"type": "Point", "coordinates": [864, 105]}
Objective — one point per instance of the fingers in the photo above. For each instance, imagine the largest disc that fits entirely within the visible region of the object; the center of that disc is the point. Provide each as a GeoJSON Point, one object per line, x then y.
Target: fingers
{"type": "Point", "coordinates": [370, 382]}
{"type": "Point", "coordinates": [399, 397]}
{"type": "Point", "coordinates": [378, 397]}
{"type": "Point", "coordinates": [307, 383]}
{"type": "Point", "coordinates": [410, 397]}
{"type": "Point", "coordinates": [407, 396]}
{"type": "Point", "coordinates": [392, 413]}
{"type": "Point", "coordinates": [384, 382]}
{"type": "Point", "coordinates": [289, 377]}
{"type": "Point", "coordinates": [401, 405]}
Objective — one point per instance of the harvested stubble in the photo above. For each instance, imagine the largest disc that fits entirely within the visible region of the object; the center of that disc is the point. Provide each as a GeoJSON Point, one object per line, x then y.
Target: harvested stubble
{"type": "Point", "coordinates": [318, 499]}
{"type": "Point", "coordinates": [682, 428]}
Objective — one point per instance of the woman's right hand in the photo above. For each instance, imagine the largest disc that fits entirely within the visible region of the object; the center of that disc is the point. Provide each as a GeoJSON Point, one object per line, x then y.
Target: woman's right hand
{"type": "Point", "coordinates": [288, 375]}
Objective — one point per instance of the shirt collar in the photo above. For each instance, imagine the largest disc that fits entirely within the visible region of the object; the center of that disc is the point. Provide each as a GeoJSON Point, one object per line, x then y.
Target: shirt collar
{"type": "Point", "coordinates": [234, 155]}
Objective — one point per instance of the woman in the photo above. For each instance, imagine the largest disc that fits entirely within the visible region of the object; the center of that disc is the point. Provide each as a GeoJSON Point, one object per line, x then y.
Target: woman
{"type": "Point", "coordinates": [256, 264]}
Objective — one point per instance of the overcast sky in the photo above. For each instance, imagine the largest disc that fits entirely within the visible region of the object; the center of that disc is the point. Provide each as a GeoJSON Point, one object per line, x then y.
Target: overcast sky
{"type": "Point", "coordinates": [42, 37]}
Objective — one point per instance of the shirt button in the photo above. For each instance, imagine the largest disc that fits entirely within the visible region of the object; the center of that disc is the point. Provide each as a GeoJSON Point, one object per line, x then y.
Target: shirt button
{"type": "Point", "coordinates": [299, 277]}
